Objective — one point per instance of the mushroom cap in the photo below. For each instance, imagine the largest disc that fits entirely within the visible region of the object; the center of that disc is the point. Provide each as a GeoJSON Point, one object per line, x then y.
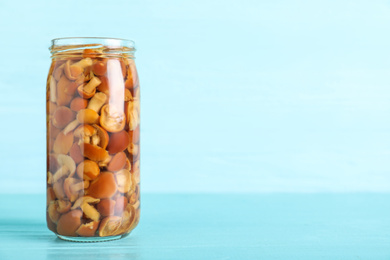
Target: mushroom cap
{"type": "Point", "coordinates": [85, 129]}
{"type": "Point", "coordinates": [75, 153]}
{"type": "Point", "coordinates": [99, 68]}
{"type": "Point", "coordinates": [120, 205]}
{"type": "Point", "coordinates": [111, 120]}
{"type": "Point", "coordinates": [118, 142]}
{"type": "Point", "coordinates": [69, 223]}
{"type": "Point", "coordinates": [109, 226]}
{"type": "Point", "coordinates": [123, 180]}
{"type": "Point", "coordinates": [88, 170]}
{"type": "Point", "coordinates": [84, 200]}
{"type": "Point", "coordinates": [103, 136]}
{"type": "Point", "coordinates": [93, 152]}
{"type": "Point", "coordinates": [106, 207]}
{"type": "Point", "coordinates": [134, 135]}
{"type": "Point", "coordinates": [104, 186]}
{"type": "Point", "coordinates": [117, 162]}
{"type": "Point", "coordinates": [104, 85]}
{"type": "Point", "coordinates": [88, 229]}
{"type": "Point", "coordinates": [68, 182]}
{"type": "Point", "coordinates": [63, 159]}
{"type": "Point", "coordinates": [63, 143]}
{"type": "Point", "coordinates": [78, 103]}
{"type": "Point", "coordinates": [87, 116]}
{"type": "Point", "coordinates": [82, 93]}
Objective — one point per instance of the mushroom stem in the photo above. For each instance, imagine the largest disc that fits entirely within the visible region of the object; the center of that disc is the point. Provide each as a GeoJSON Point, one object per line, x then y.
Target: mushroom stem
{"type": "Point", "coordinates": [71, 126]}
{"type": "Point", "coordinates": [61, 172]}
{"type": "Point", "coordinates": [91, 85]}
{"type": "Point", "coordinates": [77, 187]}
{"type": "Point", "coordinates": [53, 88]}
{"type": "Point", "coordinates": [97, 101]}
{"type": "Point", "coordinates": [83, 63]}
{"type": "Point", "coordinates": [49, 177]}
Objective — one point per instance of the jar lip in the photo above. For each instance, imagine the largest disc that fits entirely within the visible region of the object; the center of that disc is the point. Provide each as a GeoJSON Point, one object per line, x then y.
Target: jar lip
{"type": "Point", "coordinates": [108, 41]}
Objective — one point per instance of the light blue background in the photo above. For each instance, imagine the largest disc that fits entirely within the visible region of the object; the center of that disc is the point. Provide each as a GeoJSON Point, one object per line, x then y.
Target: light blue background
{"type": "Point", "coordinates": [237, 96]}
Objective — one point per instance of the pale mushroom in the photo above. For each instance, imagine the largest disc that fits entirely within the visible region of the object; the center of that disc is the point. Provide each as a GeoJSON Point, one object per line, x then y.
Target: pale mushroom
{"type": "Point", "coordinates": [123, 180]}
{"type": "Point", "coordinates": [98, 100]}
{"type": "Point", "coordinates": [111, 119]}
{"type": "Point", "coordinates": [53, 89]}
{"type": "Point", "coordinates": [89, 89]}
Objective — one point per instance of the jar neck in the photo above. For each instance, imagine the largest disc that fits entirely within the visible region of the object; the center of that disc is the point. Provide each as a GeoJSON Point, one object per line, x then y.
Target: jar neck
{"type": "Point", "coordinates": [96, 47]}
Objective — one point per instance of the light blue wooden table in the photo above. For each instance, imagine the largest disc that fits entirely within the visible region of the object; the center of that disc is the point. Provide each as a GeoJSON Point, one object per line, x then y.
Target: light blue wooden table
{"type": "Point", "coordinates": [231, 226]}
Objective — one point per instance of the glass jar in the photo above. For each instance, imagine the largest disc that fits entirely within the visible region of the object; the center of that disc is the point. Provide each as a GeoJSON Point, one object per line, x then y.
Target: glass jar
{"type": "Point", "coordinates": [93, 149]}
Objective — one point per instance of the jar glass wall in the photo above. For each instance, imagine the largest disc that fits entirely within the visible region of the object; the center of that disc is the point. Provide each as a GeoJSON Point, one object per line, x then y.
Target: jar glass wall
{"type": "Point", "coordinates": [93, 132]}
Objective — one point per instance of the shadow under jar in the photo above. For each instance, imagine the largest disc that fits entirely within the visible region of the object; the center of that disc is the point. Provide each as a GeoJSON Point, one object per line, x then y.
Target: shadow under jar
{"type": "Point", "coordinates": [93, 132]}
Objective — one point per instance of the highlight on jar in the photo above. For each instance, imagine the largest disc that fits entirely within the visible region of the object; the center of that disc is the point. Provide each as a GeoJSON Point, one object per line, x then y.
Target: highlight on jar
{"type": "Point", "coordinates": [93, 139]}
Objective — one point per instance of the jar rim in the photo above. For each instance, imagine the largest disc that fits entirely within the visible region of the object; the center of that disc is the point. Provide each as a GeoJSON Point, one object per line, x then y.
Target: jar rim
{"type": "Point", "coordinates": [106, 41]}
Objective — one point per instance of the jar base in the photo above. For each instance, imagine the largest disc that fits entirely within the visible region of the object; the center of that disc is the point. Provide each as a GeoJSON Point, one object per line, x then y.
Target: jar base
{"type": "Point", "coordinates": [91, 239]}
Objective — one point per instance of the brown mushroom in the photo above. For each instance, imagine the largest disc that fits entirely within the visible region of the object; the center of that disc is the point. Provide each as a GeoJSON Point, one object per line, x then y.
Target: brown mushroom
{"type": "Point", "coordinates": [69, 222]}
{"type": "Point", "coordinates": [51, 108]}
{"type": "Point", "coordinates": [78, 103]}
{"type": "Point", "coordinates": [120, 204]}
{"type": "Point", "coordinates": [118, 142]}
{"type": "Point", "coordinates": [88, 170]}
{"type": "Point", "coordinates": [88, 229]}
{"type": "Point", "coordinates": [106, 207]}
{"type": "Point", "coordinates": [109, 225]}
{"type": "Point", "coordinates": [104, 86]}
{"type": "Point", "coordinates": [135, 172]}
{"type": "Point", "coordinates": [117, 162]}
{"type": "Point", "coordinates": [63, 143]}
{"type": "Point", "coordinates": [111, 119]}
{"type": "Point", "coordinates": [104, 186]}
{"type": "Point", "coordinates": [53, 131]}
{"type": "Point", "coordinates": [76, 154]}
{"type": "Point", "coordinates": [99, 68]}
{"type": "Point", "coordinates": [62, 116]}
{"type": "Point", "coordinates": [58, 72]}
{"type": "Point", "coordinates": [87, 116]}
{"type": "Point", "coordinates": [63, 99]}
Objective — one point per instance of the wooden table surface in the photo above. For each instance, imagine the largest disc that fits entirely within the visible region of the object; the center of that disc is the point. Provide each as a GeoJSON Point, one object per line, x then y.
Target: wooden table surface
{"type": "Point", "coordinates": [210, 226]}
